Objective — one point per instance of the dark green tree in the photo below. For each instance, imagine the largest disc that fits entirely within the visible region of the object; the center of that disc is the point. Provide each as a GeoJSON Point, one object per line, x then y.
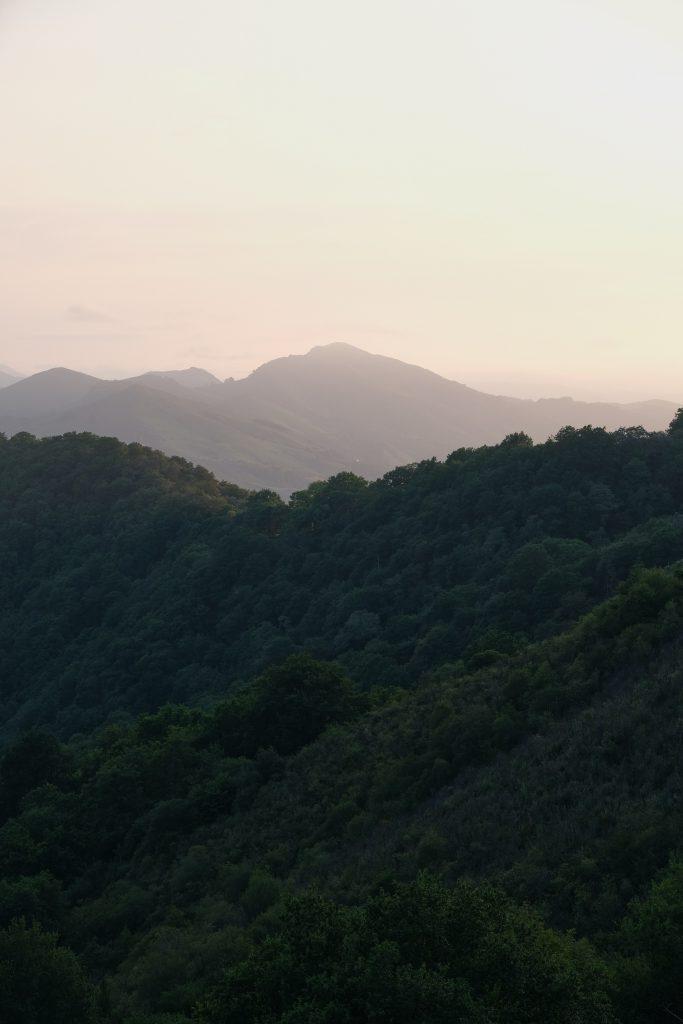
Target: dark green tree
{"type": "Point", "coordinates": [287, 707]}
{"type": "Point", "coordinates": [32, 760]}
{"type": "Point", "coordinates": [651, 945]}
{"type": "Point", "coordinates": [419, 952]}
{"type": "Point", "coordinates": [41, 982]}
{"type": "Point", "coordinates": [676, 425]}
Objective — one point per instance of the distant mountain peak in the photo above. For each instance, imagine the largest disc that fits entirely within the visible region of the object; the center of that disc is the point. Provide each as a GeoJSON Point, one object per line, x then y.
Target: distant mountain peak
{"type": "Point", "coordinates": [66, 371]}
{"type": "Point", "coordinates": [335, 351]}
{"type": "Point", "coordinates": [339, 357]}
{"type": "Point", "coordinates": [351, 355]}
{"type": "Point", "coordinates": [191, 377]}
{"type": "Point", "coordinates": [56, 374]}
{"type": "Point", "coordinates": [338, 348]}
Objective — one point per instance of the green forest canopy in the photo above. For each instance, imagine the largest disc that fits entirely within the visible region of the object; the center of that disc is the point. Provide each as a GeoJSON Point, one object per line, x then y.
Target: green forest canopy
{"type": "Point", "coordinates": [130, 579]}
{"type": "Point", "coordinates": [430, 764]}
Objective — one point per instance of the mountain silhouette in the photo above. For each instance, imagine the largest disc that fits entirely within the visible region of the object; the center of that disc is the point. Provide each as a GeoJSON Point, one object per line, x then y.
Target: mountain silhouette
{"type": "Point", "coordinates": [8, 376]}
{"type": "Point", "coordinates": [301, 418]}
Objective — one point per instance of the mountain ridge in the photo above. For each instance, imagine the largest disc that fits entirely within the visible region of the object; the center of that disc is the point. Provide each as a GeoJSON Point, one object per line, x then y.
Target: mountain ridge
{"type": "Point", "coordinates": [8, 376]}
{"type": "Point", "coordinates": [299, 418]}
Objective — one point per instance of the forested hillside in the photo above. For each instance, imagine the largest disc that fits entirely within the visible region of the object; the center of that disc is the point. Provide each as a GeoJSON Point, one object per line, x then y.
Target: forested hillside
{"type": "Point", "coordinates": [129, 579]}
{"type": "Point", "coordinates": [391, 752]}
{"type": "Point", "coordinates": [299, 854]}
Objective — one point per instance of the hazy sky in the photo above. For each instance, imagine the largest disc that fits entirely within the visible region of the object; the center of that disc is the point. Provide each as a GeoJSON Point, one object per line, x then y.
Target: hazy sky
{"type": "Point", "coordinates": [490, 188]}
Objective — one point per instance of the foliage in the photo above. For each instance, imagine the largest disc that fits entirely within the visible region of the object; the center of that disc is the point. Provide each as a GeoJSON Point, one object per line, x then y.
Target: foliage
{"type": "Point", "coordinates": [420, 952]}
{"type": "Point", "coordinates": [651, 944]}
{"type": "Point", "coordinates": [129, 579]}
{"type": "Point", "coordinates": [238, 731]}
{"type": "Point", "coordinates": [40, 982]}
{"type": "Point", "coordinates": [286, 708]}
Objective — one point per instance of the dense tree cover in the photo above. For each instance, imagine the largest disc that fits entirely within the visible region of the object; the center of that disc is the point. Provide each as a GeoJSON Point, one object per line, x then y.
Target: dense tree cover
{"type": "Point", "coordinates": [40, 982]}
{"type": "Point", "coordinates": [166, 851]}
{"type": "Point", "coordinates": [411, 712]}
{"type": "Point", "coordinates": [418, 953]}
{"type": "Point", "coordinates": [286, 708]}
{"type": "Point", "coordinates": [129, 579]}
{"type": "Point", "coordinates": [650, 943]}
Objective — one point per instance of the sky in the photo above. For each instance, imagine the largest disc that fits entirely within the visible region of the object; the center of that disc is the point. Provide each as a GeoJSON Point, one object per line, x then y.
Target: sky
{"type": "Point", "coordinates": [490, 189]}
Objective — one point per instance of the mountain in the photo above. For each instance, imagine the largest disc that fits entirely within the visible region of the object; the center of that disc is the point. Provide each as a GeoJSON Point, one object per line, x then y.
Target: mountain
{"type": "Point", "coordinates": [157, 409]}
{"type": "Point", "coordinates": [300, 418]}
{"type": "Point", "coordinates": [193, 377]}
{"type": "Point", "coordinates": [406, 750]}
{"type": "Point", "coordinates": [8, 376]}
{"type": "Point", "coordinates": [380, 412]}
{"type": "Point", "coordinates": [48, 393]}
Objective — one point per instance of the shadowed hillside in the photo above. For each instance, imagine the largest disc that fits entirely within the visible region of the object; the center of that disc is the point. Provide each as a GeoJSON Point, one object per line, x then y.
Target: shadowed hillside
{"type": "Point", "coordinates": [146, 580]}
{"type": "Point", "coordinates": [407, 747]}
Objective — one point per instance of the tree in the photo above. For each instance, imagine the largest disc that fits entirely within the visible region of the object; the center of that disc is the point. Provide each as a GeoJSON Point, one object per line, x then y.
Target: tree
{"type": "Point", "coordinates": [286, 707]}
{"type": "Point", "coordinates": [32, 760]}
{"type": "Point", "coordinates": [40, 981]}
{"type": "Point", "coordinates": [651, 942]}
{"type": "Point", "coordinates": [293, 702]}
{"type": "Point", "coordinates": [517, 440]}
{"type": "Point", "coordinates": [419, 952]}
{"type": "Point", "coordinates": [676, 425]}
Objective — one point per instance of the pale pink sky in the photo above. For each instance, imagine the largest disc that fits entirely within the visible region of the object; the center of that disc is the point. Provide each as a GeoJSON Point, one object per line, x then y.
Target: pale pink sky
{"type": "Point", "coordinates": [490, 189]}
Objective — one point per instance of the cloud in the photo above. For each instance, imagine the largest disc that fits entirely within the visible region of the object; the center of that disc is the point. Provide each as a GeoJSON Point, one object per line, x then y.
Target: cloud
{"type": "Point", "coordinates": [85, 315]}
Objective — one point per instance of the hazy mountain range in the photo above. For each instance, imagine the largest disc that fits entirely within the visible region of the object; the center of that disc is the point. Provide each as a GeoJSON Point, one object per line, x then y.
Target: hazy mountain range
{"type": "Point", "coordinates": [298, 418]}
{"type": "Point", "coordinates": [8, 376]}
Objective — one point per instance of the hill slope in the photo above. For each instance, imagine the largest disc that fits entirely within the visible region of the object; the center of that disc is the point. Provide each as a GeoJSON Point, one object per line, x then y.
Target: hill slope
{"type": "Point", "coordinates": [165, 853]}
{"type": "Point", "coordinates": [161, 584]}
{"type": "Point", "coordinates": [8, 376]}
{"type": "Point", "coordinates": [301, 418]}
{"type": "Point", "coordinates": [504, 710]}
